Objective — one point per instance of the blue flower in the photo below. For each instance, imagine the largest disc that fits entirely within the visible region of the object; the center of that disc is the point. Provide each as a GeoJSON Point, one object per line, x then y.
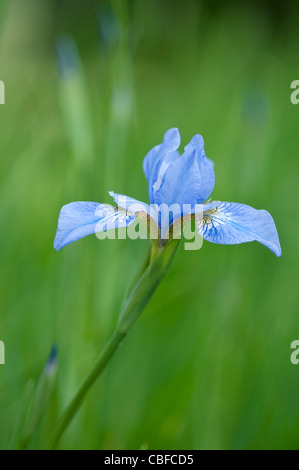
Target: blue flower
{"type": "Point", "coordinates": [178, 182]}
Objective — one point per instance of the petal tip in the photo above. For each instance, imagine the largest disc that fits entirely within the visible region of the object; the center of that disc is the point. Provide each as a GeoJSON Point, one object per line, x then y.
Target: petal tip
{"type": "Point", "coordinates": [197, 143]}
{"type": "Point", "coordinates": [172, 137]}
{"type": "Point", "coordinates": [57, 244]}
{"type": "Point", "coordinates": [277, 251]}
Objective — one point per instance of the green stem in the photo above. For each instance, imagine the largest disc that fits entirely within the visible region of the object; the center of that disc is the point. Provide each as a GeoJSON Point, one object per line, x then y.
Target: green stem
{"type": "Point", "coordinates": [143, 266]}
{"type": "Point", "coordinates": [133, 307]}
{"type": "Point", "coordinates": [95, 372]}
{"type": "Point", "coordinates": [154, 251]}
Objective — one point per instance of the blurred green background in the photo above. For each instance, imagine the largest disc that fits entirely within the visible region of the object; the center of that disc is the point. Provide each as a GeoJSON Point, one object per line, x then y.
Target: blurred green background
{"type": "Point", "coordinates": [207, 366]}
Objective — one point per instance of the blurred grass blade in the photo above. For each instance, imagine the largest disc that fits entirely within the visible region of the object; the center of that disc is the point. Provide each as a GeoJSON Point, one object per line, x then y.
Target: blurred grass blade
{"type": "Point", "coordinates": [74, 101]}
{"type": "Point", "coordinates": [35, 403]}
{"type": "Point", "coordinates": [22, 416]}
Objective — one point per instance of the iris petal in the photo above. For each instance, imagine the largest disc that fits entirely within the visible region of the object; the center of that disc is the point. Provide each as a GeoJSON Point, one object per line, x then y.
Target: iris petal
{"type": "Point", "coordinates": [231, 223]}
{"type": "Point", "coordinates": [189, 179]}
{"type": "Point", "coordinates": [79, 219]}
{"type": "Point", "coordinates": [129, 203]}
{"type": "Point", "coordinates": [158, 159]}
{"type": "Point", "coordinates": [181, 182]}
{"type": "Point", "coordinates": [205, 166]}
{"type": "Point", "coordinates": [133, 205]}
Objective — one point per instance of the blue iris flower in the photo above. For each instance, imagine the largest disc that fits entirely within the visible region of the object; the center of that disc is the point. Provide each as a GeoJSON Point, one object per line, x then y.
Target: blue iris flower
{"type": "Point", "coordinates": [177, 180]}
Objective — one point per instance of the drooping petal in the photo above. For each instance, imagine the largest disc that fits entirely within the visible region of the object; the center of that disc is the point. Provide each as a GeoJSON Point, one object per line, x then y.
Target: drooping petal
{"type": "Point", "coordinates": [208, 206]}
{"type": "Point", "coordinates": [112, 218]}
{"type": "Point", "coordinates": [186, 214]}
{"type": "Point", "coordinates": [129, 203]}
{"type": "Point", "coordinates": [79, 219]}
{"type": "Point", "coordinates": [189, 179]}
{"type": "Point", "coordinates": [158, 159]}
{"type": "Point", "coordinates": [133, 205]}
{"type": "Point", "coordinates": [231, 223]}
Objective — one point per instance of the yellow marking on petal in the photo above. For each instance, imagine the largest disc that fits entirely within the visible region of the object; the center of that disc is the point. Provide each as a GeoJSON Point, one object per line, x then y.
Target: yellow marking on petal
{"type": "Point", "coordinates": [146, 221]}
{"type": "Point", "coordinates": [176, 228]}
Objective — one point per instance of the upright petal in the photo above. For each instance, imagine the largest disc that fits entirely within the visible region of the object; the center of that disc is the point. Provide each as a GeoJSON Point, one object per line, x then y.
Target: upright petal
{"type": "Point", "coordinates": [205, 166]}
{"type": "Point", "coordinates": [158, 159]}
{"type": "Point", "coordinates": [79, 219]}
{"type": "Point", "coordinates": [189, 179]}
{"type": "Point", "coordinates": [231, 223]}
